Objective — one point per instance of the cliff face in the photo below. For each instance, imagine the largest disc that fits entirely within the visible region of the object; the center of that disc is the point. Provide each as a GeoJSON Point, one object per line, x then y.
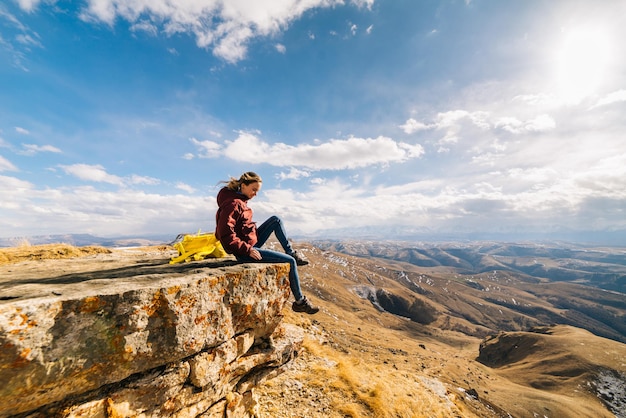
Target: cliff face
{"type": "Point", "coordinates": [140, 337]}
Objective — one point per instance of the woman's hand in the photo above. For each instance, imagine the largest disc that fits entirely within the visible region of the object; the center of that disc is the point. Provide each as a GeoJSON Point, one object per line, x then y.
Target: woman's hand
{"type": "Point", "coordinates": [255, 254]}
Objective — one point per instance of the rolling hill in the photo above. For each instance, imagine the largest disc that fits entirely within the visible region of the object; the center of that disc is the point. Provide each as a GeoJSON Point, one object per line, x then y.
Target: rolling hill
{"type": "Point", "coordinates": [444, 332]}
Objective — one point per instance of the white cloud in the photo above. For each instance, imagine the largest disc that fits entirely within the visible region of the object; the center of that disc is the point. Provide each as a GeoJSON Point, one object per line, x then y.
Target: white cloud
{"type": "Point", "coordinates": [364, 3]}
{"type": "Point", "coordinates": [145, 27]}
{"type": "Point", "coordinates": [487, 158]}
{"type": "Point", "coordinates": [281, 48]}
{"type": "Point", "coordinates": [293, 174]}
{"type": "Point", "coordinates": [185, 187]}
{"type": "Point", "coordinates": [531, 199]}
{"type": "Point", "coordinates": [95, 173]}
{"type": "Point", "coordinates": [22, 131]}
{"type": "Point", "coordinates": [28, 5]}
{"type": "Point", "coordinates": [21, 43]}
{"type": "Point", "coordinates": [369, 29]}
{"type": "Point", "coordinates": [151, 181]}
{"type": "Point", "coordinates": [513, 125]}
{"type": "Point", "coordinates": [6, 165]}
{"type": "Point", "coordinates": [614, 97]}
{"type": "Point", "coordinates": [452, 122]}
{"type": "Point", "coordinates": [335, 154]}
{"type": "Point", "coordinates": [208, 149]}
{"type": "Point", "coordinates": [12, 187]}
{"type": "Point", "coordinates": [411, 126]}
{"type": "Point", "coordinates": [541, 123]}
{"type": "Point", "coordinates": [510, 124]}
{"type": "Point", "coordinates": [31, 149]}
{"type": "Point", "coordinates": [28, 40]}
{"type": "Point", "coordinates": [106, 213]}
{"type": "Point", "coordinates": [227, 27]}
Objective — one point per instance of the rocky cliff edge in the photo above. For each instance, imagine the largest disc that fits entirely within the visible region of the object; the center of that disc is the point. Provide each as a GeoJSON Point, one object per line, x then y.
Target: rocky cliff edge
{"type": "Point", "coordinates": [114, 336]}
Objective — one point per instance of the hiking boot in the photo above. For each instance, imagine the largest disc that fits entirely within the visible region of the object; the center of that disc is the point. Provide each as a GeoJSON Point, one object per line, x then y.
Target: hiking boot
{"type": "Point", "coordinates": [304, 306]}
{"type": "Point", "coordinates": [300, 259]}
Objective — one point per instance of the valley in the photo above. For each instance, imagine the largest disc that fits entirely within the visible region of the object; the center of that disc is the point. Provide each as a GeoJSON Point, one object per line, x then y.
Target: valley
{"type": "Point", "coordinates": [453, 332]}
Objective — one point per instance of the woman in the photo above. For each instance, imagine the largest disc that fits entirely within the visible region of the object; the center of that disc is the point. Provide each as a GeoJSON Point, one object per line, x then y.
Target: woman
{"type": "Point", "coordinates": [240, 236]}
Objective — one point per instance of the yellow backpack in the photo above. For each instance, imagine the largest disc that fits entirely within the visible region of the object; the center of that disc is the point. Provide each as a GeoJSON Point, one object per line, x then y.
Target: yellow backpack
{"type": "Point", "coordinates": [197, 247]}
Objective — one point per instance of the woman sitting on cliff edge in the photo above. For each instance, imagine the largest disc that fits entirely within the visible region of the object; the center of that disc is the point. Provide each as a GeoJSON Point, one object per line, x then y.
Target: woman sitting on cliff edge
{"type": "Point", "coordinates": [240, 236]}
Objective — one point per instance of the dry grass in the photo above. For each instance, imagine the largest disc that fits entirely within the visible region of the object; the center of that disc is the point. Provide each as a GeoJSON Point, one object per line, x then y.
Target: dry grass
{"type": "Point", "coordinates": [27, 252]}
{"type": "Point", "coordinates": [357, 388]}
{"type": "Point", "coordinates": [346, 375]}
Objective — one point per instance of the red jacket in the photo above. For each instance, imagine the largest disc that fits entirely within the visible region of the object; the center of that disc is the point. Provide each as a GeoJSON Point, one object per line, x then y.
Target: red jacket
{"type": "Point", "coordinates": [234, 227]}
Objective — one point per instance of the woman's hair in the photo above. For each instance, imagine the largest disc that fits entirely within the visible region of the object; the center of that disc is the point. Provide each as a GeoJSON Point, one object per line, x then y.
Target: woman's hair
{"type": "Point", "coordinates": [246, 178]}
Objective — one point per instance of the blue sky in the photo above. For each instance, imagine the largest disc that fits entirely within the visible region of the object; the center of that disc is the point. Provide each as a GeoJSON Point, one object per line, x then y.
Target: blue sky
{"type": "Point", "coordinates": [120, 117]}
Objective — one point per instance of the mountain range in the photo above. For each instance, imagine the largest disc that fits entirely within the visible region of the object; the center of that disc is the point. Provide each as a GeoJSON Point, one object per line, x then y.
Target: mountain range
{"type": "Point", "coordinates": [483, 329]}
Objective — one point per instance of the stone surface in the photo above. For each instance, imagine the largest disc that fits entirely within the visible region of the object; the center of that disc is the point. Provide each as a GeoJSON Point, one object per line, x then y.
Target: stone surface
{"type": "Point", "coordinates": [139, 337]}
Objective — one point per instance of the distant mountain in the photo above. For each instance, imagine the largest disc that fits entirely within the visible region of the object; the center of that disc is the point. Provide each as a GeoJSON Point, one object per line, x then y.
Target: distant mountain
{"type": "Point", "coordinates": [601, 267]}
{"type": "Point", "coordinates": [612, 237]}
{"type": "Point", "coordinates": [87, 239]}
{"type": "Point", "coordinates": [488, 287]}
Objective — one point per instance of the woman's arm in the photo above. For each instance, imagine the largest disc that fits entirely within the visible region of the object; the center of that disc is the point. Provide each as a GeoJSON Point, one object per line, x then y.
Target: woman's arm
{"type": "Point", "coordinates": [227, 230]}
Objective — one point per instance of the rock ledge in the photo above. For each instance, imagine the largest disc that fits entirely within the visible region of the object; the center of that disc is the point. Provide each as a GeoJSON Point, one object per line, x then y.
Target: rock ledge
{"type": "Point", "coordinates": [141, 338]}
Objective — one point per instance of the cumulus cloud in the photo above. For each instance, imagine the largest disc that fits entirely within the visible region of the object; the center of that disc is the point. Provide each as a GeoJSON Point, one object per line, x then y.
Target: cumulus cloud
{"type": "Point", "coordinates": [95, 173]}
{"type": "Point", "coordinates": [226, 27]}
{"type": "Point", "coordinates": [412, 126]}
{"type": "Point", "coordinates": [208, 149]}
{"type": "Point", "coordinates": [452, 128]}
{"type": "Point", "coordinates": [335, 154]}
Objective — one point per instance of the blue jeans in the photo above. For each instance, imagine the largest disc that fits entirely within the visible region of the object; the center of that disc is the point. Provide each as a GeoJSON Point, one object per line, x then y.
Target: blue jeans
{"type": "Point", "coordinates": [263, 232]}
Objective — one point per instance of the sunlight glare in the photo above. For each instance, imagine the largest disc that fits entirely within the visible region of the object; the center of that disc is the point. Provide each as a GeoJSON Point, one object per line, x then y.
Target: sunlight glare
{"type": "Point", "coordinates": [582, 61]}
